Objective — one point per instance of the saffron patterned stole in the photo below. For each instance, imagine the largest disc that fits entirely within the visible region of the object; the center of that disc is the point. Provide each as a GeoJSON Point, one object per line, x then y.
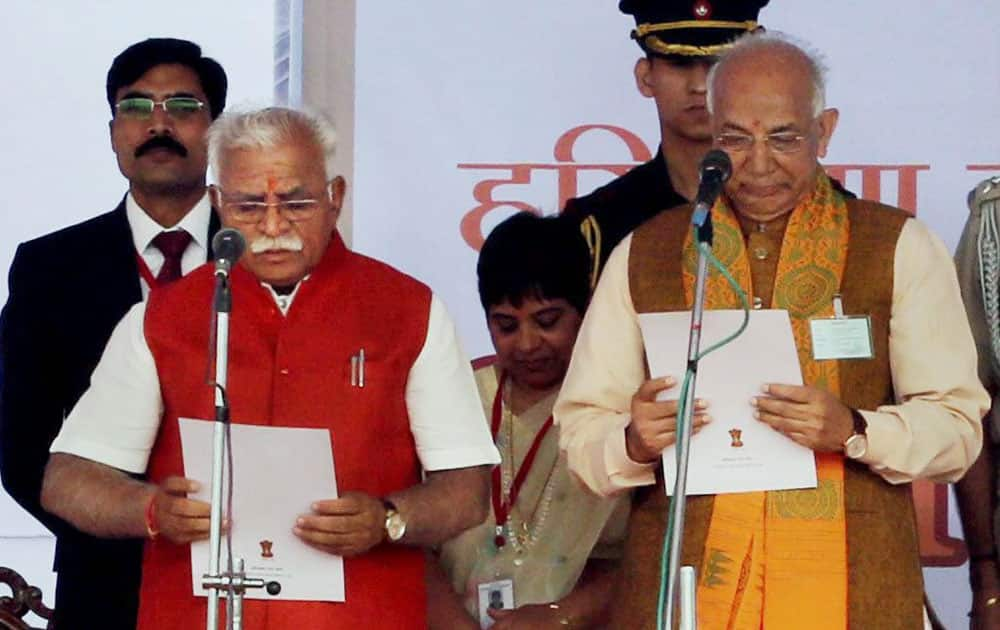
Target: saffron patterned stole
{"type": "Point", "coordinates": [779, 559]}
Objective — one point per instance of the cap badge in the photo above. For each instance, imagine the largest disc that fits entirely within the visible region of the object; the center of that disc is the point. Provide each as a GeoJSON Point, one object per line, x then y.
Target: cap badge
{"type": "Point", "coordinates": [702, 10]}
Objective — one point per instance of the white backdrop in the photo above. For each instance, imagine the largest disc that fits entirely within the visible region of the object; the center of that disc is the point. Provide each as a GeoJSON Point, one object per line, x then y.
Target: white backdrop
{"type": "Point", "coordinates": [56, 165]}
{"type": "Point", "coordinates": [450, 97]}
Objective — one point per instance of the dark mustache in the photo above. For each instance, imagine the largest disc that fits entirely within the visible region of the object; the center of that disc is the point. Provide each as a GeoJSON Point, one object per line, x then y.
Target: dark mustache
{"type": "Point", "coordinates": [161, 142]}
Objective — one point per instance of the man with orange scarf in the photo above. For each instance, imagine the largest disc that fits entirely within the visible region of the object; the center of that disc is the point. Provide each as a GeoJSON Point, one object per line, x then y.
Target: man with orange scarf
{"type": "Point", "coordinates": [845, 553]}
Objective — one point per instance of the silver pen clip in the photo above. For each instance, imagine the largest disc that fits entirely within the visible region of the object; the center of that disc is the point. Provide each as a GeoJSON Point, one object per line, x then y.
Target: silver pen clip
{"type": "Point", "coordinates": [361, 368]}
{"type": "Point", "coordinates": [358, 369]}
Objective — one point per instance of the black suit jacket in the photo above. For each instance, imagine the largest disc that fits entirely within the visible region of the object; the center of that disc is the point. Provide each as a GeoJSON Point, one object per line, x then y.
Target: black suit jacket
{"type": "Point", "coordinates": [68, 290]}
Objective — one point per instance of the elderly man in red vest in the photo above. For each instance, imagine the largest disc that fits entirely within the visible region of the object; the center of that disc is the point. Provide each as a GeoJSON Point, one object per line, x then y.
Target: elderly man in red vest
{"type": "Point", "coordinates": [304, 305]}
{"type": "Point", "coordinates": [843, 554]}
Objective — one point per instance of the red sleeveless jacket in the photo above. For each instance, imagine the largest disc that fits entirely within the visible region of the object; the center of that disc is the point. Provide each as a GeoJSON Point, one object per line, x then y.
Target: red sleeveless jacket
{"type": "Point", "coordinates": [295, 371]}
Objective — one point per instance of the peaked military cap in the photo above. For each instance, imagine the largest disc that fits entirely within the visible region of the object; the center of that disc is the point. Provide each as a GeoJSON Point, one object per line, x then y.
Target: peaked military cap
{"type": "Point", "coordinates": [691, 28]}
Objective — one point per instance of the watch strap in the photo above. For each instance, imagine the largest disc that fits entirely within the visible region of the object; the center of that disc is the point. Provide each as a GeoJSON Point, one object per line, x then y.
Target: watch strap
{"type": "Point", "coordinates": [860, 424]}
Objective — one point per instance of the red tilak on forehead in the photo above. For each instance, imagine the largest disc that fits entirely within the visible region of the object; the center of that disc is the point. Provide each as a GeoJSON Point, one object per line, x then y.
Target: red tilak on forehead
{"type": "Point", "coordinates": [272, 184]}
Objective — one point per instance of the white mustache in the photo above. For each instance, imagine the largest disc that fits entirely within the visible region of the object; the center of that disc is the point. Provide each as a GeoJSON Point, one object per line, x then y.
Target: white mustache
{"type": "Point", "coordinates": [289, 242]}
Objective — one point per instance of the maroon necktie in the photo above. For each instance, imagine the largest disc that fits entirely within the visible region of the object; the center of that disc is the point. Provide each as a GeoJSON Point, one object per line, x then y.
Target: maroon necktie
{"type": "Point", "coordinates": [172, 244]}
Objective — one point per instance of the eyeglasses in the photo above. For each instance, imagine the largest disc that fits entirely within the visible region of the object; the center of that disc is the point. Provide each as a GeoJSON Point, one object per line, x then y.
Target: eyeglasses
{"type": "Point", "coordinates": [779, 142]}
{"type": "Point", "coordinates": [253, 212]}
{"type": "Point", "coordinates": [140, 107]}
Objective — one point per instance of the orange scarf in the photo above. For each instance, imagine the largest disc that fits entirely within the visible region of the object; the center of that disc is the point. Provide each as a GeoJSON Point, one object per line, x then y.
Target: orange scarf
{"type": "Point", "coordinates": [778, 560]}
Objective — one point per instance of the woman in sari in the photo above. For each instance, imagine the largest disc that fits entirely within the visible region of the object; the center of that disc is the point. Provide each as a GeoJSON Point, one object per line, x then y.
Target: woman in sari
{"type": "Point", "coordinates": [547, 554]}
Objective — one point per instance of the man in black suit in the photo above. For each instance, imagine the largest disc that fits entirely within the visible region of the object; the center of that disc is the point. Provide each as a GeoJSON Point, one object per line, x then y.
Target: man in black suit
{"type": "Point", "coordinates": [68, 289]}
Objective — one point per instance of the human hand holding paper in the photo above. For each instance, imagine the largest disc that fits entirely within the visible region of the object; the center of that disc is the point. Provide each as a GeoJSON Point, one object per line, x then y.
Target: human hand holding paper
{"type": "Point", "coordinates": [653, 425]}
{"type": "Point", "coordinates": [811, 416]}
{"type": "Point", "coordinates": [348, 526]}
{"type": "Point", "coordinates": [177, 518]}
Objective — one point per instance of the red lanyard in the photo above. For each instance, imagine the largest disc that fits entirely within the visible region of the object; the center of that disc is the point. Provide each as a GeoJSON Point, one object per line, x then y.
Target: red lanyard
{"type": "Point", "coordinates": [145, 272]}
{"type": "Point", "coordinates": [502, 505]}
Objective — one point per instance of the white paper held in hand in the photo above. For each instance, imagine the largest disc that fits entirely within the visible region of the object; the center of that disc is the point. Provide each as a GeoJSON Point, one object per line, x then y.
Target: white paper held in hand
{"type": "Point", "coordinates": [735, 452]}
{"type": "Point", "coordinates": [278, 473]}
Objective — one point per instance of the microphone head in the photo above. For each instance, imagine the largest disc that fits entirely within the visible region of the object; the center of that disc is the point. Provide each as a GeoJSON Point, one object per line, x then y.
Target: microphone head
{"type": "Point", "coordinates": [228, 245]}
{"type": "Point", "coordinates": [717, 161]}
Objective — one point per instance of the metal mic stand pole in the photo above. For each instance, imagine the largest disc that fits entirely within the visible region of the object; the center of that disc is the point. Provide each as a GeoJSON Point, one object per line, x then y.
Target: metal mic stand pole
{"type": "Point", "coordinates": [214, 581]}
{"type": "Point", "coordinates": [679, 497]}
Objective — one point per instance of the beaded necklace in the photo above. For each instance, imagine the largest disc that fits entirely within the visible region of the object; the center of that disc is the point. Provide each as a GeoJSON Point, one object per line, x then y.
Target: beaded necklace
{"type": "Point", "coordinates": [506, 483]}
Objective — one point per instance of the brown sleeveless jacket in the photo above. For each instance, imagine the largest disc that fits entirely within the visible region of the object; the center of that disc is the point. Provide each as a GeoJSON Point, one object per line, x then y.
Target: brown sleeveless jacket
{"type": "Point", "coordinates": [885, 587]}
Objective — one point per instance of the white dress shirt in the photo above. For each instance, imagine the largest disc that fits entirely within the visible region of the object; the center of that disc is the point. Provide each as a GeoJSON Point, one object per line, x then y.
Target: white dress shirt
{"type": "Point", "coordinates": [145, 229]}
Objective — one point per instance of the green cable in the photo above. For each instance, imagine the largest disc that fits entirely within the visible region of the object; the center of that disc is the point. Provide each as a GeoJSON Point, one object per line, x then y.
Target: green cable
{"type": "Point", "coordinates": [705, 249]}
{"type": "Point", "coordinates": [681, 413]}
{"type": "Point", "coordinates": [664, 554]}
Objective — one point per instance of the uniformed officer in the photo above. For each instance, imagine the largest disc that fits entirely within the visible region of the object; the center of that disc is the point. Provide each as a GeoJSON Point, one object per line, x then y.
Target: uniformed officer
{"type": "Point", "coordinates": [978, 260]}
{"type": "Point", "coordinates": [680, 39]}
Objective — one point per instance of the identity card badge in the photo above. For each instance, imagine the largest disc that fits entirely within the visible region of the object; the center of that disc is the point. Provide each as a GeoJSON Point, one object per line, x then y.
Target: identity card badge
{"type": "Point", "coordinates": [840, 336]}
{"type": "Point", "coordinates": [496, 595]}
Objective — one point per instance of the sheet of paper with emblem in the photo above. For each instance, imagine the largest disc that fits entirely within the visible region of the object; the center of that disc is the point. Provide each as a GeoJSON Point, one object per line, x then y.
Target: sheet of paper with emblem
{"type": "Point", "coordinates": [278, 473]}
{"type": "Point", "coordinates": [734, 452]}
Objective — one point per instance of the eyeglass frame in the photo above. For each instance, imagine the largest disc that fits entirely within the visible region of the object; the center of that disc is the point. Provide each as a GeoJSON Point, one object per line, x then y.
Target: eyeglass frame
{"type": "Point", "coordinates": [795, 137]}
{"type": "Point", "coordinates": [262, 206]}
{"type": "Point", "coordinates": [163, 104]}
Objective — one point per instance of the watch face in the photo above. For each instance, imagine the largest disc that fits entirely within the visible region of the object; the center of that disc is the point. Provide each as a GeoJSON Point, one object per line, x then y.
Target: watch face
{"type": "Point", "coordinates": [395, 526]}
{"type": "Point", "coordinates": [856, 446]}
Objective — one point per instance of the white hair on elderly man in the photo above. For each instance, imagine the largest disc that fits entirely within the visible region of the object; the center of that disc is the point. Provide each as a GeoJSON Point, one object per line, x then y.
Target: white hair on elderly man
{"type": "Point", "coordinates": [760, 41]}
{"type": "Point", "coordinates": [268, 128]}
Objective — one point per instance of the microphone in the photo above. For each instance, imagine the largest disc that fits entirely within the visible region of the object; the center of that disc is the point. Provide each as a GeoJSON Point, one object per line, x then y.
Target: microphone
{"type": "Point", "coordinates": [715, 169]}
{"type": "Point", "coordinates": [228, 246]}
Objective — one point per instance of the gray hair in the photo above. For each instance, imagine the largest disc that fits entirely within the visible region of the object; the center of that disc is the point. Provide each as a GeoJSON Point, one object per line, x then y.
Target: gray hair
{"type": "Point", "coordinates": [777, 41]}
{"type": "Point", "coordinates": [266, 129]}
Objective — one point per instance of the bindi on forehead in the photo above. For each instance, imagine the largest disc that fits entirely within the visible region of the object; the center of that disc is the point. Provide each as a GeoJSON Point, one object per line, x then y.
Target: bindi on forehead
{"type": "Point", "coordinates": [279, 187]}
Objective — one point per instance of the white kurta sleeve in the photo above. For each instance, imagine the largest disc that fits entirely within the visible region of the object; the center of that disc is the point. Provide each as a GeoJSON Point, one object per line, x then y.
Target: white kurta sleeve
{"type": "Point", "coordinates": [607, 368]}
{"type": "Point", "coordinates": [446, 417]}
{"type": "Point", "coordinates": [934, 430]}
{"type": "Point", "coordinates": [116, 420]}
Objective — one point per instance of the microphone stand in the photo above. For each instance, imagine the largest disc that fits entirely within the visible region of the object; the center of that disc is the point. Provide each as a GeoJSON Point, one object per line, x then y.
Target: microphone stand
{"type": "Point", "coordinates": [236, 582]}
{"type": "Point", "coordinates": [683, 578]}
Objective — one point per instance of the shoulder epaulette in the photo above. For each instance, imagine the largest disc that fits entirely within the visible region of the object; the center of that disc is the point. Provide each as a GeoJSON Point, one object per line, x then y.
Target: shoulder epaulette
{"type": "Point", "coordinates": [987, 191]}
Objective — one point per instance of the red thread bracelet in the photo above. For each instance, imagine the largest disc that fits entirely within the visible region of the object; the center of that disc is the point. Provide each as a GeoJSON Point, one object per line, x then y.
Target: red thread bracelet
{"type": "Point", "coordinates": [151, 529]}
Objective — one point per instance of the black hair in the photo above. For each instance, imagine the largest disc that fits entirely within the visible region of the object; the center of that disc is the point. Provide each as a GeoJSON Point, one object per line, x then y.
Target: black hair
{"type": "Point", "coordinates": [528, 256]}
{"type": "Point", "coordinates": [138, 59]}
